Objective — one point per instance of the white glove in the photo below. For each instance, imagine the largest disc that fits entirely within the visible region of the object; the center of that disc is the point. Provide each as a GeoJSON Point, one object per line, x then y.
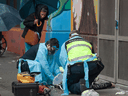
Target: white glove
{"type": "Point", "coordinates": [58, 79]}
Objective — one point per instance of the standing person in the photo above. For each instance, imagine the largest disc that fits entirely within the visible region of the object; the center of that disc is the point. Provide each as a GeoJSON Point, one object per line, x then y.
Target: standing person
{"type": "Point", "coordinates": [80, 65]}
{"type": "Point", "coordinates": [41, 58]}
{"type": "Point", "coordinates": [35, 22]}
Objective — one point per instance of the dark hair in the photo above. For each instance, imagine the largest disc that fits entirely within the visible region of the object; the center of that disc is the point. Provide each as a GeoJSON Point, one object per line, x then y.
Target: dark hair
{"type": "Point", "coordinates": [44, 10]}
{"type": "Point", "coordinates": [39, 8]}
{"type": "Point", "coordinates": [53, 42]}
{"type": "Point", "coordinates": [73, 31]}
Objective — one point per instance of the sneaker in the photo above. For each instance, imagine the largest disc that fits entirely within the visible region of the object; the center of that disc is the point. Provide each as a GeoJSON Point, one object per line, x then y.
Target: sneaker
{"type": "Point", "coordinates": [102, 85]}
{"type": "Point", "coordinates": [96, 79]}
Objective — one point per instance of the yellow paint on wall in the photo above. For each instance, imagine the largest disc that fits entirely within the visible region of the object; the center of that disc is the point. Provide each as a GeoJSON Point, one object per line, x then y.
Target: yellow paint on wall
{"type": "Point", "coordinates": [96, 9]}
{"type": "Point", "coordinates": [15, 29]}
{"type": "Point", "coordinates": [71, 15]}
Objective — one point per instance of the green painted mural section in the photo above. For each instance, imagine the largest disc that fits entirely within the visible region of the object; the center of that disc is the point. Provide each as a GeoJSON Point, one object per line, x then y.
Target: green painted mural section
{"type": "Point", "coordinates": [68, 5]}
{"type": "Point", "coordinates": [22, 25]}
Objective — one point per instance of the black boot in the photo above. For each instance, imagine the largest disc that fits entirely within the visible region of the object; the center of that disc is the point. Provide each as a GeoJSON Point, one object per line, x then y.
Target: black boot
{"type": "Point", "coordinates": [82, 85]}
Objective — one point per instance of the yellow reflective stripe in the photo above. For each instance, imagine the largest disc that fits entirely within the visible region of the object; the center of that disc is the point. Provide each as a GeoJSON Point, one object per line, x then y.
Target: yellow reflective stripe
{"type": "Point", "coordinates": [77, 42]}
{"type": "Point", "coordinates": [77, 46]}
{"type": "Point", "coordinates": [82, 57]}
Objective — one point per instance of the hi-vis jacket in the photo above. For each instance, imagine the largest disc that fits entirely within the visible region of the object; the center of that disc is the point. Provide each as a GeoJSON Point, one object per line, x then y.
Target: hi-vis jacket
{"type": "Point", "coordinates": [75, 50]}
{"type": "Point", "coordinates": [78, 49]}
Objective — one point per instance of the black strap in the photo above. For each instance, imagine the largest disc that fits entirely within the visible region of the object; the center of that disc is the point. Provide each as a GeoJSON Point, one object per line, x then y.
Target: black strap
{"type": "Point", "coordinates": [69, 70]}
{"type": "Point", "coordinates": [17, 64]}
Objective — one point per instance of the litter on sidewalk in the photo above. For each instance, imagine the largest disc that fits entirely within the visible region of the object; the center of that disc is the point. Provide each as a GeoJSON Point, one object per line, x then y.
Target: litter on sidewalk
{"type": "Point", "coordinates": [90, 93]}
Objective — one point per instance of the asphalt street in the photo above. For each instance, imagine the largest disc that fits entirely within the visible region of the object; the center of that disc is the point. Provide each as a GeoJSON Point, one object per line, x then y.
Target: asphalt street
{"type": "Point", "coordinates": [8, 74]}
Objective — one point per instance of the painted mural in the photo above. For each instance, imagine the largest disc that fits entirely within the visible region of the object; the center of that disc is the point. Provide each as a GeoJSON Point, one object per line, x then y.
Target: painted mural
{"type": "Point", "coordinates": [81, 15]}
{"type": "Point", "coordinates": [85, 19]}
{"type": "Point", "coordinates": [59, 23]}
{"type": "Point", "coordinates": [85, 16]}
{"type": "Point", "coordinates": [63, 5]}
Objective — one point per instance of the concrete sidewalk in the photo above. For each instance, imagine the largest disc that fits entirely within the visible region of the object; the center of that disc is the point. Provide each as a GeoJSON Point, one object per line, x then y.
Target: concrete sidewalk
{"type": "Point", "coordinates": [8, 73]}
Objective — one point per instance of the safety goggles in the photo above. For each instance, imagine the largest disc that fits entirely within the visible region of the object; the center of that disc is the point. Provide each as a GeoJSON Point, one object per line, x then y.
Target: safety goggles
{"type": "Point", "coordinates": [54, 48]}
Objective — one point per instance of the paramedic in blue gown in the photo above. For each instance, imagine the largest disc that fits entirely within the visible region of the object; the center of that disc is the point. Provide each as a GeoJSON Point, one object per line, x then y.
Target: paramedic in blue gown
{"type": "Point", "coordinates": [41, 58]}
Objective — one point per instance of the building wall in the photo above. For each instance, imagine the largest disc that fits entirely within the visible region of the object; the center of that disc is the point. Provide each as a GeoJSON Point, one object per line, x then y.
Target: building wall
{"type": "Point", "coordinates": [96, 9]}
{"type": "Point", "coordinates": [15, 43]}
{"type": "Point", "coordinates": [61, 24]}
{"type": "Point", "coordinates": [85, 19]}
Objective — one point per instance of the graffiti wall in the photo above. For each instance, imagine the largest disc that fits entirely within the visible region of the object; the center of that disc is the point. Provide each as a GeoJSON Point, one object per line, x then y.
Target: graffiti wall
{"type": "Point", "coordinates": [85, 19]}
{"type": "Point", "coordinates": [59, 23]}
{"type": "Point", "coordinates": [85, 16]}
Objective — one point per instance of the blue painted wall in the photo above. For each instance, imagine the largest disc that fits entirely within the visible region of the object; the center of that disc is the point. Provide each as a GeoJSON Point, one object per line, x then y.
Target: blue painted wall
{"type": "Point", "coordinates": [61, 27]}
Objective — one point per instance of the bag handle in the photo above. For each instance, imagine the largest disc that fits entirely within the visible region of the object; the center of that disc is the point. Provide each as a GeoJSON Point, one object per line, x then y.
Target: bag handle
{"type": "Point", "coordinates": [37, 23]}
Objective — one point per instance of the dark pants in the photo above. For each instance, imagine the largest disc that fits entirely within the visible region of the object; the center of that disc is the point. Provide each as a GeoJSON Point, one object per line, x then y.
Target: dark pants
{"type": "Point", "coordinates": [77, 73]}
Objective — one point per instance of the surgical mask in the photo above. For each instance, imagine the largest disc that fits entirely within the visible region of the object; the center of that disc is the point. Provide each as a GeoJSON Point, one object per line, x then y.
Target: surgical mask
{"type": "Point", "coordinates": [51, 52]}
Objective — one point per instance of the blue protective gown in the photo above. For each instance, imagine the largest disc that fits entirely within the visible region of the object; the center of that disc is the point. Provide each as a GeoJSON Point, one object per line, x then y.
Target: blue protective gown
{"type": "Point", "coordinates": [44, 63]}
{"type": "Point", "coordinates": [64, 61]}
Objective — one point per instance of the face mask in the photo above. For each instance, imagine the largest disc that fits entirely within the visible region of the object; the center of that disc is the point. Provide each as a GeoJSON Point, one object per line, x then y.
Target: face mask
{"type": "Point", "coordinates": [51, 52]}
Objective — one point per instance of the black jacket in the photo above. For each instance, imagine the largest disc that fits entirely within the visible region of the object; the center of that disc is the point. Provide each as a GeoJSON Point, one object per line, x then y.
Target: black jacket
{"type": "Point", "coordinates": [29, 21]}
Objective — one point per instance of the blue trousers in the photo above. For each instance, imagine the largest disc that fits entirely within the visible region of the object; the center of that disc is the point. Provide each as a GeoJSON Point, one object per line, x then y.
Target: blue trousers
{"type": "Point", "coordinates": [77, 73]}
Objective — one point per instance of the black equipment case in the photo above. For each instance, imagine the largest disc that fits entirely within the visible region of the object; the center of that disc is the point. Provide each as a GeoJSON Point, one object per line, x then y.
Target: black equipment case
{"type": "Point", "coordinates": [25, 89]}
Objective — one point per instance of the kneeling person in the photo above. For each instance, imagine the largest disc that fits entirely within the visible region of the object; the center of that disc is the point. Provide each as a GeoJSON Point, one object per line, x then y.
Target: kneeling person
{"type": "Point", "coordinates": [80, 64]}
{"type": "Point", "coordinates": [41, 58]}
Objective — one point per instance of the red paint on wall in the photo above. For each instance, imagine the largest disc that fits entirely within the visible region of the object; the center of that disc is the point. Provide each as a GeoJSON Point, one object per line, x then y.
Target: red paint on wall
{"type": "Point", "coordinates": [15, 43]}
